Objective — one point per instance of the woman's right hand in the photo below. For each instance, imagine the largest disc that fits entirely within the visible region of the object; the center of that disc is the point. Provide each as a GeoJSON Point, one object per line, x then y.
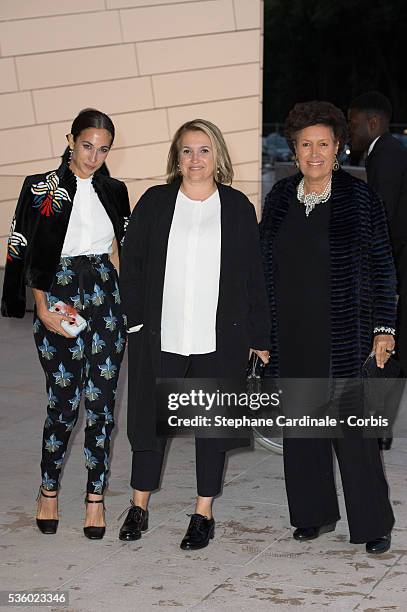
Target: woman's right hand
{"type": "Point", "coordinates": [264, 355]}
{"type": "Point", "coordinates": [53, 320]}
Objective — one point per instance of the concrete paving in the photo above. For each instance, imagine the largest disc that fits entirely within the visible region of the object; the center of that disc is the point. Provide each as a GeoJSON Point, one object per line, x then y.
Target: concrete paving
{"type": "Point", "coordinates": [252, 564]}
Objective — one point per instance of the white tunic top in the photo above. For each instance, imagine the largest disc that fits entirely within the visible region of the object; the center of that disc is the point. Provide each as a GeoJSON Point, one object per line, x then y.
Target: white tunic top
{"type": "Point", "coordinates": [191, 283]}
{"type": "Point", "coordinates": [90, 231]}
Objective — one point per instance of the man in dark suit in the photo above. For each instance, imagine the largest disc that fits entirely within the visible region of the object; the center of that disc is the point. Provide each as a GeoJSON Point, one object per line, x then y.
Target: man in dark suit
{"type": "Point", "coordinates": [386, 167]}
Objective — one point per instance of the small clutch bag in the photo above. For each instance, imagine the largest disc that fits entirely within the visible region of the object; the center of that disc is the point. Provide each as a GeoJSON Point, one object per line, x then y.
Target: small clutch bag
{"type": "Point", "coordinates": [378, 383]}
{"type": "Point", "coordinates": [390, 371]}
{"type": "Point", "coordinates": [78, 323]}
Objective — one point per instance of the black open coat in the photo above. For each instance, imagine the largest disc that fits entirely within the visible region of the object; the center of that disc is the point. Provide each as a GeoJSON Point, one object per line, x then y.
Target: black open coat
{"type": "Point", "coordinates": [363, 281]}
{"type": "Point", "coordinates": [242, 319]}
{"type": "Point", "coordinates": [386, 169]}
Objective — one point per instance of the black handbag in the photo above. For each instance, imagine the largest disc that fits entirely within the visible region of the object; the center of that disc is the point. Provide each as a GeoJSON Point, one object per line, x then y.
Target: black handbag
{"type": "Point", "coordinates": [387, 374]}
{"type": "Point", "coordinates": [255, 368]}
{"type": "Point", "coordinates": [378, 383]}
{"type": "Point", "coordinates": [254, 374]}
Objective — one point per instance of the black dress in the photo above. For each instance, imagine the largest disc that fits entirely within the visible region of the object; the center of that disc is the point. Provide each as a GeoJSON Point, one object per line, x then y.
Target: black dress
{"type": "Point", "coordinates": [301, 256]}
{"type": "Point", "coordinates": [302, 281]}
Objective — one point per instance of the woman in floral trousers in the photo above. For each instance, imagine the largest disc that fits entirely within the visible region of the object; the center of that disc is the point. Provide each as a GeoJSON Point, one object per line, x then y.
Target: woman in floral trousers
{"type": "Point", "coordinates": [66, 226]}
{"type": "Point", "coordinates": [89, 362]}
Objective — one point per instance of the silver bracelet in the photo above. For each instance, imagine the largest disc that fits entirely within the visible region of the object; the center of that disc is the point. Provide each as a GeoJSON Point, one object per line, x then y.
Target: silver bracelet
{"type": "Point", "coordinates": [384, 330]}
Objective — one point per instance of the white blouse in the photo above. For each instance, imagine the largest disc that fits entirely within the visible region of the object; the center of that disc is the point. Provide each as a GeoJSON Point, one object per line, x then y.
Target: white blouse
{"type": "Point", "coordinates": [90, 230]}
{"type": "Point", "coordinates": [191, 283]}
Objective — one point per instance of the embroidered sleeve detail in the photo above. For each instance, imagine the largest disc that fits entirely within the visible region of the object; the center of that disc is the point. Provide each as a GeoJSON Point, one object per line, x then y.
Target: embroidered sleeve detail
{"type": "Point", "coordinates": [16, 242]}
{"type": "Point", "coordinates": [384, 330]}
{"type": "Point", "coordinates": [125, 224]}
{"type": "Point", "coordinates": [49, 196]}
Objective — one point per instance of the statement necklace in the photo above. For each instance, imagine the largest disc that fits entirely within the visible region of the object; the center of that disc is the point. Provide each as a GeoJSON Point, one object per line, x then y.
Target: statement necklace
{"type": "Point", "coordinates": [312, 199]}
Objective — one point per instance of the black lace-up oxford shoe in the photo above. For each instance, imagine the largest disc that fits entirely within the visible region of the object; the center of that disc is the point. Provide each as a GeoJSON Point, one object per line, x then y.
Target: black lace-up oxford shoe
{"type": "Point", "coordinates": [200, 531]}
{"type": "Point", "coordinates": [135, 522]}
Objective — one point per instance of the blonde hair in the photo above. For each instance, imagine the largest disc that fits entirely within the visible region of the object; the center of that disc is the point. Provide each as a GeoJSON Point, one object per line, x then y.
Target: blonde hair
{"type": "Point", "coordinates": [221, 158]}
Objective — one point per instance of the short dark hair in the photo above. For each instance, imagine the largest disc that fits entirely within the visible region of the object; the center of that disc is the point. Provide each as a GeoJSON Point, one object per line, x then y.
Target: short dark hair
{"type": "Point", "coordinates": [305, 114]}
{"type": "Point", "coordinates": [373, 102]}
{"type": "Point", "coordinates": [92, 118]}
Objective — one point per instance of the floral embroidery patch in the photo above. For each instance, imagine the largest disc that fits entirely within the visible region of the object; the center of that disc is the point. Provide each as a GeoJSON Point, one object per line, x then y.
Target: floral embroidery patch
{"type": "Point", "coordinates": [126, 221]}
{"type": "Point", "coordinates": [48, 196]}
{"type": "Point", "coordinates": [16, 242]}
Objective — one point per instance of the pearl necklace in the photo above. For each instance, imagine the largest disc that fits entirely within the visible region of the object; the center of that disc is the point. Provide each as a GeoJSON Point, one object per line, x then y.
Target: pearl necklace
{"type": "Point", "coordinates": [312, 199]}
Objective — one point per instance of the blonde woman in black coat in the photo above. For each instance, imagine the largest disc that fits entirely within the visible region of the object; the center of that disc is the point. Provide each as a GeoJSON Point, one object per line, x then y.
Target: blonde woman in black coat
{"type": "Point", "coordinates": [194, 295]}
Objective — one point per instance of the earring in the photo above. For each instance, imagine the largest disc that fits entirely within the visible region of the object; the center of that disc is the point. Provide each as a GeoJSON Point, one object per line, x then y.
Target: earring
{"type": "Point", "coordinates": [70, 155]}
{"type": "Point", "coordinates": [336, 165]}
{"type": "Point", "coordinates": [179, 169]}
{"type": "Point", "coordinates": [296, 162]}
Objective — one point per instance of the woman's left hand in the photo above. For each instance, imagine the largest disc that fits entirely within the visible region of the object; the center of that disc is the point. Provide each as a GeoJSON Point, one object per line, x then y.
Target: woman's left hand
{"type": "Point", "coordinates": [383, 347]}
{"type": "Point", "coordinates": [264, 355]}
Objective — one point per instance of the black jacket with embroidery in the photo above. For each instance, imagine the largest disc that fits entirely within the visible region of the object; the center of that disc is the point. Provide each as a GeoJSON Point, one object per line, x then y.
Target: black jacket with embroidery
{"type": "Point", "coordinates": [39, 227]}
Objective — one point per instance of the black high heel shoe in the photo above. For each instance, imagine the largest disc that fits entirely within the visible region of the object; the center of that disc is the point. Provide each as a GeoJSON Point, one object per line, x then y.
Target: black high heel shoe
{"type": "Point", "coordinates": [91, 532]}
{"type": "Point", "coordinates": [47, 526]}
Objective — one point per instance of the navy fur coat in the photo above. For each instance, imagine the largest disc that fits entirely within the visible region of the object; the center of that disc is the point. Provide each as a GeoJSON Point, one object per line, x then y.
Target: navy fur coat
{"type": "Point", "coordinates": [363, 281]}
{"type": "Point", "coordinates": [39, 227]}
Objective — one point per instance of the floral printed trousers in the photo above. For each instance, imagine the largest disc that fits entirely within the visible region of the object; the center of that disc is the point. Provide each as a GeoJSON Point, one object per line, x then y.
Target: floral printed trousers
{"type": "Point", "coordinates": [86, 365]}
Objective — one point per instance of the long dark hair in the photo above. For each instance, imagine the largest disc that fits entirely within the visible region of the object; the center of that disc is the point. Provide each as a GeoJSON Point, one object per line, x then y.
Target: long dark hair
{"type": "Point", "coordinates": [90, 118]}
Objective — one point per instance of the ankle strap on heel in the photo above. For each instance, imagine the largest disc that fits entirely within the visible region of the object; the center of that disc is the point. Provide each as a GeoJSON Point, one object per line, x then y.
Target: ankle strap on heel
{"type": "Point", "coordinates": [41, 492]}
{"type": "Point", "coordinates": [95, 501]}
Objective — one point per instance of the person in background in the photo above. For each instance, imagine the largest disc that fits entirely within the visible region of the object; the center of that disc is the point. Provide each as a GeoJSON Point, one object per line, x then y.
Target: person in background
{"type": "Point", "coordinates": [67, 224]}
{"type": "Point", "coordinates": [331, 287]}
{"type": "Point", "coordinates": [194, 295]}
{"type": "Point", "coordinates": [386, 168]}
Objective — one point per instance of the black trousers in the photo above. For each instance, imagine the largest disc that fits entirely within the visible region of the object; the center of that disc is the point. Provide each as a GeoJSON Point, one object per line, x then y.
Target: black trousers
{"type": "Point", "coordinates": [310, 484]}
{"type": "Point", "coordinates": [147, 465]}
{"type": "Point", "coordinates": [401, 338]}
